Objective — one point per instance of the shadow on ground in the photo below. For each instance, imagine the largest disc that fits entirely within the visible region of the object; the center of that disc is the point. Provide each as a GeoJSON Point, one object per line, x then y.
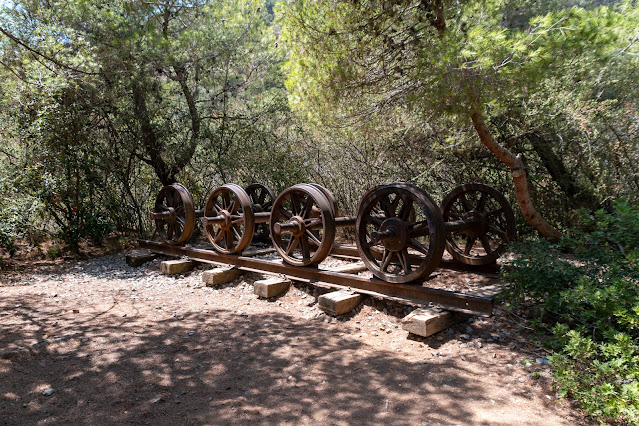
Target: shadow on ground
{"type": "Point", "coordinates": [217, 367]}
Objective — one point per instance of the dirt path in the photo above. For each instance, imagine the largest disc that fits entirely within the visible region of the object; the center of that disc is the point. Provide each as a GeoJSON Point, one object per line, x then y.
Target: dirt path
{"type": "Point", "coordinates": [122, 345]}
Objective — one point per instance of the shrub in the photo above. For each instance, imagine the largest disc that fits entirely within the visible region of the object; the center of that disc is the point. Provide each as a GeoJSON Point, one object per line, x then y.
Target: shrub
{"type": "Point", "coordinates": [586, 289]}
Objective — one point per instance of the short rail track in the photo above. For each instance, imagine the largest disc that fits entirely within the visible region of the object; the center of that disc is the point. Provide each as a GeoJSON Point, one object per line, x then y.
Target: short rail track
{"type": "Point", "coordinates": [415, 292]}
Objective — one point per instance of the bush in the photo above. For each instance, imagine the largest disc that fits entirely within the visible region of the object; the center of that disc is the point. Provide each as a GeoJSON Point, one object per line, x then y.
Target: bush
{"type": "Point", "coordinates": [586, 289]}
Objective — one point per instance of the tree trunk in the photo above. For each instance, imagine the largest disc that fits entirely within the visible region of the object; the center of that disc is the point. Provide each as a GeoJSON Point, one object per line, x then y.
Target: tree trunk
{"type": "Point", "coordinates": [518, 172]}
{"type": "Point", "coordinates": [150, 143]}
{"type": "Point", "coordinates": [578, 195]}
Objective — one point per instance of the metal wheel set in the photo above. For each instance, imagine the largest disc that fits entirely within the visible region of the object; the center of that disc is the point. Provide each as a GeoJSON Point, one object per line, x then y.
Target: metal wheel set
{"type": "Point", "coordinates": [400, 232]}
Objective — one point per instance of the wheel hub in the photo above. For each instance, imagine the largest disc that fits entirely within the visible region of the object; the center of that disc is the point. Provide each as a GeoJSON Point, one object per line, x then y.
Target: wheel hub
{"type": "Point", "coordinates": [300, 228]}
{"type": "Point", "coordinates": [227, 219]}
{"type": "Point", "coordinates": [394, 234]}
{"type": "Point", "coordinates": [480, 225]}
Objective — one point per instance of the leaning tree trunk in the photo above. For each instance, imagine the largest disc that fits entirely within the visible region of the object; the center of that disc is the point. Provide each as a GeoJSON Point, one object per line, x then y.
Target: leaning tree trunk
{"type": "Point", "coordinates": [518, 172]}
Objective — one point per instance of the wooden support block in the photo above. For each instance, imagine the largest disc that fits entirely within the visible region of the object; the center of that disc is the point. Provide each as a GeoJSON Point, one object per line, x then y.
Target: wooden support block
{"type": "Point", "coordinates": [339, 302]}
{"type": "Point", "coordinates": [219, 276]}
{"type": "Point", "coordinates": [428, 321]}
{"type": "Point", "coordinates": [351, 268]}
{"type": "Point", "coordinates": [271, 287]}
{"type": "Point", "coordinates": [179, 266]}
{"type": "Point", "coordinates": [139, 258]}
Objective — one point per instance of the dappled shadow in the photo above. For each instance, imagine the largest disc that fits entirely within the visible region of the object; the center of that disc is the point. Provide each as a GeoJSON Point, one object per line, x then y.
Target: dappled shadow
{"type": "Point", "coordinates": [214, 367]}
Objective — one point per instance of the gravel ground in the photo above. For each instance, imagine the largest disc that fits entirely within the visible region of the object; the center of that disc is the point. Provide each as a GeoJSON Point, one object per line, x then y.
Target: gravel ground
{"type": "Point", "coordinates": [99, 342]}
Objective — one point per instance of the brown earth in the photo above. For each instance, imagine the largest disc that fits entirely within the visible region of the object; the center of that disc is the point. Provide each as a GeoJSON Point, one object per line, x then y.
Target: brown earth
{"type": "Point", "coordinates": [114, 344]}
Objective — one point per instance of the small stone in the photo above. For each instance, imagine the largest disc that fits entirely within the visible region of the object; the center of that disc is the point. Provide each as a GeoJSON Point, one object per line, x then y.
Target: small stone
{"type": "Point", "coordinates": [158, 400]}
{"type": "Point", "coordinates": [439, 338]}
{"type": "Point", "coordinates": [545, 361]}
{"type": "Point", "coordinates": [469, 330]}
{"type": "Point", "coordinates": [48, 392]}
{"type": "Point", "coordinates": [123, 314]}
{"type": "Point", "coordinates": [86, 339]}
{"type": "Point", "coordinates": [464, 336]}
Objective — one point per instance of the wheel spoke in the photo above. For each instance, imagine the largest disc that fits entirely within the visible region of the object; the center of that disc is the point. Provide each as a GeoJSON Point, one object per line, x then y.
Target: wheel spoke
{"type": "Point", "coordinates": [308, 206]}
{"type": "Point", "coordinates": [228, 239]}
{"type": "Point", "coordinates": [502, 234]}
{"type": "Point", "coordinates": [267, 206]}
{"type": "Point", "coordinates": [313, 237]}
{"type": "Point", "coordinates": [469, 245]}
{"type": "Point", "coordinates": [404, 260]}
{"type": "Point", "coordinates": [387, 207]}
{"type": "Point", "coordinates": [496, 213]}
{"type": "Point", "coordinates": [418, 246]}
{"type": "Point", "coordinates": [218, 236]}
{"type": "Point", "coordinates": [481, 205]}
{"type": "Point", "coordinates": [306, 250]}
{"type": "Point", "coordinates": [287, 215]}
{"type": "Point", "coordinates": [234, 207]}
{"type": "Point", "coordinates": [292, 245]}
{"type": "Point", "coordinates": [295, 204]}
{"type": "Point", "coordinates": [237, 233]}
{"type": "Point", "coordinates": [226, 200]}
{"type": "Point", "coordinates": [169, 231]}
{"type": "Point", "coordinates": [262, 196]}
{"type": "Point", "coordinates": [371, 219]}
{"type": "Point", "coordinates": [386, 258]}
{"type": "Point", "coordinates": [404, 213]}
{"type": "Point", "coordinates": [467, 206]}
{"type": "Point", "coordinates": [418, 227]}
{"type": "Point", "coordinates": [485, 242]}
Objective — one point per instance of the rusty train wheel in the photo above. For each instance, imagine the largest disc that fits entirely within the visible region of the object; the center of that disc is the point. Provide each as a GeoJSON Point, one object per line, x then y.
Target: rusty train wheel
{"type": "Point", "coordinates": [175, 203]}
{"type": "Point", "coordinates": [329, 196]}
{"type": "Point", "coordinates": [262, 201]}
{"type": "Point", "coordinates": [302, 225]}
{"type": "Point", "coordinates": [485, 241]}
{"type": "Point", "coordinates": [232, 230]}
{"type": "Point", "coordinates": [399, 232]}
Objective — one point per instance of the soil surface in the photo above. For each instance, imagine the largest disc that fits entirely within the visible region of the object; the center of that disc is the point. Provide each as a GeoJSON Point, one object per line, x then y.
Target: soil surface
{"type": "Point", "coordinates": [99, 342]}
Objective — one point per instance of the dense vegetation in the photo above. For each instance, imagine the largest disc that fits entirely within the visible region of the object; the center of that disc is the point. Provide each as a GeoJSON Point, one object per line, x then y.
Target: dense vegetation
{"type": "Point", "coordinates": [103, 102]}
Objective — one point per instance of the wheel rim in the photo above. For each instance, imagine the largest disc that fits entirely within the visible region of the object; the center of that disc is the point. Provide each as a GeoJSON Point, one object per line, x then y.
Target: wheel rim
{"type": "Point", "coordinates": [399, 232]}
{"type": "Point", "coordinates": [262, 201]}
{"type": "Point", "coordinates": [329, 196]}
{"type": "Point", "coordinates": [495, 229]}
{"type": "Point", "coordinates": [231, 203]}
{"type": "Point", "coordinates": [178, 227]}
{"type": "Point", "coordinates": [302, 225]}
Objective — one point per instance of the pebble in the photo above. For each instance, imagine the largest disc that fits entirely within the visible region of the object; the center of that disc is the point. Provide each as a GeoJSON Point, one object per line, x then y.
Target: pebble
{"type": "Point", "coordinates": [48, 392]}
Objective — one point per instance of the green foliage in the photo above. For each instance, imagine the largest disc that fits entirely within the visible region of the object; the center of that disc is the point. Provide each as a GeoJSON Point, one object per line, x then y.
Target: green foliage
{"type": "Point", "coordinates": [588, 285]}
{"type": "Point", "coordinates": [53, 252]}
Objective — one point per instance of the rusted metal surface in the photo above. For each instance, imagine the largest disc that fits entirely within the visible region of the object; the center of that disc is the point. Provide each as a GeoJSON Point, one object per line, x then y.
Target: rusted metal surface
{"type": "Point", "coordinates": [228, 219]}
{"type": "Point", "coordinates": [413, 293]}
{"type": "Point", "coordinates": [302, 225]}
{"type": "Point", "coordinates": [480, 223]}
{"type": "Point", "coordinates": [405, 224]}
{"type": "Point", "coordinates": [400, 231]}
{"type": "Point", "coordinates": [173, 214]}
{"type": "Point", "coordinates": [262, 202]}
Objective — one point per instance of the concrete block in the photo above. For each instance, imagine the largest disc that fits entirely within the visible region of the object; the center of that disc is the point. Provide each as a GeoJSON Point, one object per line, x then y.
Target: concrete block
{"type": "Point", "coordinates": [271, 287]}
{"type": "Point", "coordinates": [425, 322]}
{"type": "Point", "coordinates": [139, 258]}
{"type": "Point", "coordinates": [339, 302]}
{"type": "Point", "coordinates": [351, 268]}
{"type": "Point", "coordinates": [219, 276]}
{"type": "Point", "coordinates": [179, 266]}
